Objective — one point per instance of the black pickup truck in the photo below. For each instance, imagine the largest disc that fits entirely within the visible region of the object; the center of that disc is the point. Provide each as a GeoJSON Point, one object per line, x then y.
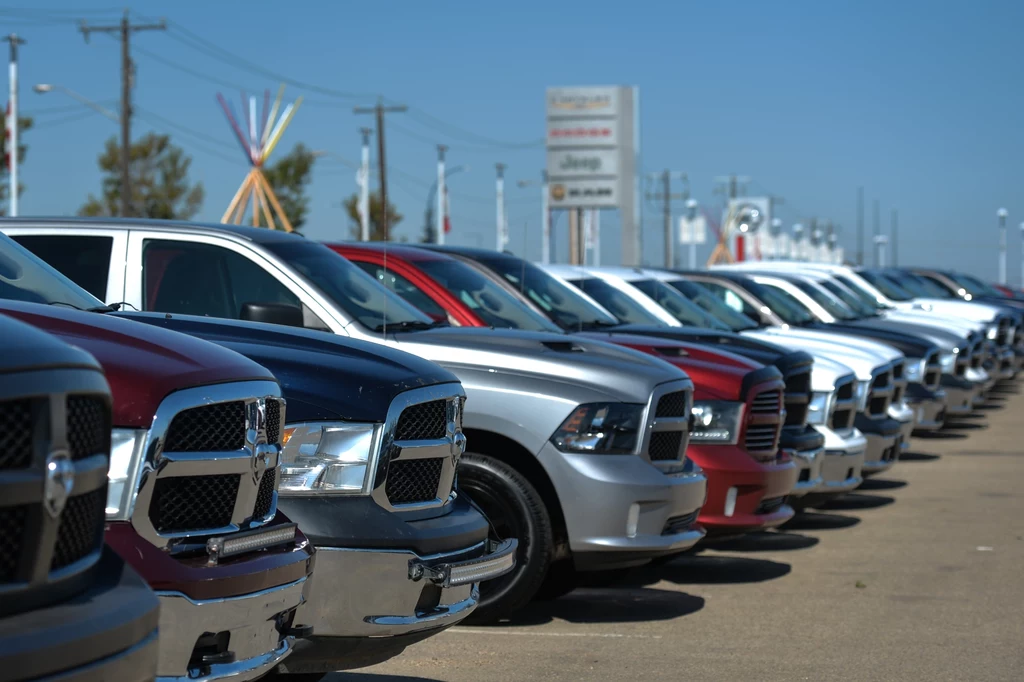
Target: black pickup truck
{"type": "Point", "coordinates": [69, 606]}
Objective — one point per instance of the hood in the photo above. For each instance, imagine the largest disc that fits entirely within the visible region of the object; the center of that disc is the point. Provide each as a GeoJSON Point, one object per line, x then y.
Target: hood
{"type": "Point", "coordinates": [843, 340]}
{"type": "Point", "coordinates": [323, 376]}
{"type": "Point", "coordinates": [911, 345]}
{"type": "Point", "coordinates": [919, 317]}
{"type": "Point", "coordinates": [946, 340]}
{"type": "Point", "coordinates": [826, 371]}
{"type": "Point", "coordinates": [977, 312]}
{"type": "Point", "coordinates": [618, 372]}
{"type": "Point", "coordinates": [715, 375]}
{"type": "Point", "coordinates": [862, 362]}
{"type": "Point", "coordinates": [143, 364]}
{"type": "Point", "coordinates": [27, 349]}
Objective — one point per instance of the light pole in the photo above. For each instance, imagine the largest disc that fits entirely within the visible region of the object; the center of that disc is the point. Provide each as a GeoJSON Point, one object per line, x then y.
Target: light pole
{"type": "Point", "coordinates": [499, 191]}
{"type": "Point", "coordinates": [439, 219]}
{"type": "Point", "coordinates": [1022, 255]}
{"type": "Point", "coordinates": [43, 88]}
{"type": "Point", "coordinates": [775, 230]}
{"type": "Point", "coordinates": [441, 189]}
{"type": "Point", "coordinates": [798, 239]}
{"type": "Point", "coordinates": [12, 121]}
{"type": "Point", "coordinates": [691, 217]}
{"type": "Point", "coordinates": [1001, 214]}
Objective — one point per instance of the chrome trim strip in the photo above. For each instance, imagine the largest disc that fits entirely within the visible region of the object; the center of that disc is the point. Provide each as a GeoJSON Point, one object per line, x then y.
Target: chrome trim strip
{"type": "Point", "coordinates": [654, 424]}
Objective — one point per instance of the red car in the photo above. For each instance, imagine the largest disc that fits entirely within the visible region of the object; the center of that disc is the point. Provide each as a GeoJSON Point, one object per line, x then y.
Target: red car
{"type": "Point", "coordinates": [738, 403]}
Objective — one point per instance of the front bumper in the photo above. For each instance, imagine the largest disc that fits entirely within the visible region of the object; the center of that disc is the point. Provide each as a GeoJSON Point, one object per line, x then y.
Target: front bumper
{"type": "Point", "coordinates": [621, 510]}
{"type": "Point", "coordinates": [743, 494]}
{"type": "Point", "coordinates": [1005, 364]}
{"type": "Point", "coordinates": [366, 605]}
{"type": "Point", "coordinates": [843, 468]}
{"type": "Point", "coordinates": [108, 632]}
{"type": "Point", "coordinates": [883, 447]}
{"type": "Point", "coordinates": [806, 448]}
{"type": "Point", "coordinates": [960, 394]}
{"type": "Point", "coordinates": [929, 407]}
{"type": "Point", "coordinates": [905, 416]}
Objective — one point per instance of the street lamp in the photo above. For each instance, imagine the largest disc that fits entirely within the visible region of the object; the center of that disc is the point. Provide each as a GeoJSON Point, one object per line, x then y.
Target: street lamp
{"type": "Point", "coordinates": [1001, 214]}
{"type": "Point", "coordinates": [43, 88]}
{"type": "Point", "coordinates": [439, 219]}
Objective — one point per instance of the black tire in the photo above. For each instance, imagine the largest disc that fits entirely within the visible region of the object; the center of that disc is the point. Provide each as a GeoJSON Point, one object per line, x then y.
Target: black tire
{"type": "Point", "coordinates": [515, 510]}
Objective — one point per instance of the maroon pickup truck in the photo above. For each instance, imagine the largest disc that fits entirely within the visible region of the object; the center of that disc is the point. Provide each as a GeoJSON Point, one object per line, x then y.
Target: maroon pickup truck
{"type": "Point", "coordinates": [69, 606]}
{"type": "Point", "coordinates": [192, 492]}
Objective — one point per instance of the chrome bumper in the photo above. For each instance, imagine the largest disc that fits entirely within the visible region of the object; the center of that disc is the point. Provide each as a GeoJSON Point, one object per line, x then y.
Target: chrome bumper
{"type": "Point", "coordinates": [930, 415]}
{"type": "Point", "coordinates": [386, 593]}
{"type": "Point", "coordinates": [809, 462]}
{"type": "Point", "coordinates": [960, 401]}
{"type": "Point", "coordinates": [843, 466]}
{"type": "Point", "coordinates": [251, 621]}
{"type": "Point", "coordinates": [905, 416]}
{"type": "Point", "coordinates": [881, 453]}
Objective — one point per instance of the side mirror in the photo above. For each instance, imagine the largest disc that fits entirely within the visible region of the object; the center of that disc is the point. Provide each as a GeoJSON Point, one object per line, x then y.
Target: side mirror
{"type": "Point", "coordinates": [273, 313]}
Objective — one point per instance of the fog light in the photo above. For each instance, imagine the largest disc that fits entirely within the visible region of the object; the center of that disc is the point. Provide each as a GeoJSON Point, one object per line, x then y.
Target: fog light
{"type": "Point", "coordinates": [730, 501]}
{"type": "Point", "coordinates": [632, 520]}
{"type": "Point", "coordinates": [240, 543]}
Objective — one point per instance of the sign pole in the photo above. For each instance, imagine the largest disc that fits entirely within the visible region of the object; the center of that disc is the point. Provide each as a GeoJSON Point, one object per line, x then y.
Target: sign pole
{"type": "Point", "coordinates": [545, 218]}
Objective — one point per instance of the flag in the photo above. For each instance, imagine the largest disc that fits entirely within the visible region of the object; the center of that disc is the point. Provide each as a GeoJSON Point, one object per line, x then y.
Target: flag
{"type": "Point", "coordinates": [447, 213]}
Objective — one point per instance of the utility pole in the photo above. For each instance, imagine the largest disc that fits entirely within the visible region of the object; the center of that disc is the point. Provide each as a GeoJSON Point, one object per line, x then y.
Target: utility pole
{"type": "Point", "coordinates": [441, 189]}
{"type": "Point", "coordinates": [666, 196]}
{"type": "Point", "coordinates": [895, 238]}
{"type": "Point", "coordinates": [364, 188]}
{"type": "Point", "coordinates": [125, 30]}
{"type": "Point", "coordinates": [545, 218]}
{"type": "Point", "coordinates": [501, 230]}
{"type": "Point", "coordinates": [379, 112]}
{"type": "Point", "coordinates": [12, 122]}
{"type": "Point", "coordinates": [876, 222]}
{"type": "Point", "coordinates": [1001, 214]}
{"type": "Point", "coordinates": [860, 226]}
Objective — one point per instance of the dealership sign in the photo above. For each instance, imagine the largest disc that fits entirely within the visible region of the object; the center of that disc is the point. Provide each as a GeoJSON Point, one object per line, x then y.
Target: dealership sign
{"type": "Point", "coordinates": [592, 146]}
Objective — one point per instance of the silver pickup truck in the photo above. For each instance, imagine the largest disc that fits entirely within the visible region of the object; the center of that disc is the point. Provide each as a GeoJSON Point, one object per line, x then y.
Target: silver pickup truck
{"type": "Point", "coordinates": [558, 428]}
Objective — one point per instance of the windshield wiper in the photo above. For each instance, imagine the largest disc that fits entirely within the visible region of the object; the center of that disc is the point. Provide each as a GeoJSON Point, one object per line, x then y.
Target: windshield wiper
{"type": "Point", "coordinates": [599, 324]}
{"type": "Point", "coordinates": [112, 307]}
{"type": "Point", "coordinates": [65, 304]}
{"type": "Point", "coordinates": [410, 325]}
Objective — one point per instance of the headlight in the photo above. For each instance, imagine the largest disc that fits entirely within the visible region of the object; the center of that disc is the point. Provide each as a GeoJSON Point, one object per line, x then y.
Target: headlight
{"type": "Point", "coordinates": [327, 457]}
{"type": "Point", "coordinates": [992, 333]}
{"type": "Point", "coordinates": [947, 362]}
{"type": "Point", "coordinates": [125, 457]}
{"type": "Point", "coordinates": [914, 370]}
{"type": "Point", "coordinates": [600, 429]}
{"type": "Point", "coordinates": [862, 395]}
{"type": "Point", "coordinates": [820, 408]}
{"type": "Point", "coordinates": [716, 421]}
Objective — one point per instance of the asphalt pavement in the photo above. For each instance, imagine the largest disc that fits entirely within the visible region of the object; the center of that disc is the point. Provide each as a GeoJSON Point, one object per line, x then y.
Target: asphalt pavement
{"type": "Point", "coordinates": [919, 575]}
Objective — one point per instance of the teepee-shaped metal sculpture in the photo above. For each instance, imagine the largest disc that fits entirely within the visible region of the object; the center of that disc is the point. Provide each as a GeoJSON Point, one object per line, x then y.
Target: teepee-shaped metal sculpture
{"type": "Point", "coordinates": [263, 136]}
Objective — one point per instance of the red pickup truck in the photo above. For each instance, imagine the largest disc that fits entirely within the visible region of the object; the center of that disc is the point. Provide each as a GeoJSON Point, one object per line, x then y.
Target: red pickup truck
{"type": "Point", "coordinates": [192, 490]}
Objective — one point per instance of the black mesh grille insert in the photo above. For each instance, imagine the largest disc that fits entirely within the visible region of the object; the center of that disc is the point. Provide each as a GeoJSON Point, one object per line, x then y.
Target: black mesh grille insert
{"type": "Point", "coordinates": [15, 434]}
{"type": "Point", "coordinates": [671, 405]}
{"type": "Point", "coordinates": [665, 445]}
{"type": "Point", "coordinates": [88, 426]}
{"type": "Point", "coordinates": [425, 421]}
{"type": "Point", "coordinates": [767, 402]}
{"type": "Point", "coordinates": [193, 502]}
{"type": "Point", "coordinates": [413, 480]}
{"type": "Point", "coordinates": [762, 438]}
{"type": "Point", "coordinates": [273, 421]}
{"type": "Point", "coordinates": [12, 538]}
{"type": "Point", "coordinates": [211, 428]}
{"type": "Point", "coordinates": [81, 528]}
{"type": "Point", "coordinates": [265, 495]}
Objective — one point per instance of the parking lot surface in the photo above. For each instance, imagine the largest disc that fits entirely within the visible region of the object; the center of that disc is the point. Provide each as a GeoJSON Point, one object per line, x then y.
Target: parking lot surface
{"type": "Point", "coordinates": [919, 575]}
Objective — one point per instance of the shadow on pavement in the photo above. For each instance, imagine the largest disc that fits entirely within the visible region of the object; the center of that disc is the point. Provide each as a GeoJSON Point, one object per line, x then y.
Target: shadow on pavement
{"type": "Point", "coordinates": [965, 426]}
{"type": "Point", "coordinates": [852, 501]}
{"type": "Point", "coordinates": [813, 520]}
{"type": "Point", "coordinates": [1006, 389]}
{"type": "Point", "coordinates": [918, 456]}
{"type": "Point", "coordinates": [626, 602]}
{"type": "Point", "coordinates": [939, 435]}
{"type": "Point", "coordinates": [370, 677]}
{"type": "Point", "coordinates": [709, 570]}
{"type": "Point", "coordinates": [882, 483]}
{"type": "Point", "coordinates": [766, 541]}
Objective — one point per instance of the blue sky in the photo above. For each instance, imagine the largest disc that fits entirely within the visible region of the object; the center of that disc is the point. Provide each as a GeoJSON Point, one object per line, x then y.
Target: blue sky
{"type": "Point", "coordinates": [919, 102]}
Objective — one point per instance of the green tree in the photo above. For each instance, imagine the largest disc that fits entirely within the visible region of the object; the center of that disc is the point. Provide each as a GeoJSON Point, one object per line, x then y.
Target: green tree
{"type": "Point", "coordinates": [376, 214]}
{"type": "Point", "coordinates": [24, 123]}
{"type": "Point", "coordinates": [289, 177]}
{"type": "Point", "coordinates": [159, 177]}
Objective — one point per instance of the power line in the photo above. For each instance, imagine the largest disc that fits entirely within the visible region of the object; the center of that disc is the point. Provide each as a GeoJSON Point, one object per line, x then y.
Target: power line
{"type": "Point", "coordinates": [186, 130]}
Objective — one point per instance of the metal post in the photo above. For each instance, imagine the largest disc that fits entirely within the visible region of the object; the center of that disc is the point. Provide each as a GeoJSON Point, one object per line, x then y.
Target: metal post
{"type": "Point", "coordinates": [1001, 214]}
{"type": "Point", "coordinates": [1022, 255]}
{"type": "Point", "coordinates": [502, 236]}
{"type": "Point", "coordinates": [895, 237]}
{"type": "Point", "coordinates": [595, 223]}
{"type": "Point", "coordinates": [545, 210]}
{"type": "Point", "coordinates": [364, 188]}
{"type": "Point", "coordinates": [860, 226]}
{"type": "Point", "coordinates": [12, 122]}
{"type": "Point", "coordinates": [666, 180]}
{"type": "Point", "coordinates": [691, 215]}
{"type": "Point", "coordinates": [439, 220]}
{"type": "Point", "coordinates": [574, 251]}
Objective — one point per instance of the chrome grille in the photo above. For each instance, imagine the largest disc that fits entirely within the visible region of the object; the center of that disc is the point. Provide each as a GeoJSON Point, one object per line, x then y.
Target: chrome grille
{"type": "Point", "coordinates": [193, 503]}
{"type": "Point", "coordinates": [932, 371]}
{"type": "Point", "coordinates": [845, 410]}
{"type": "Point", "coordinates": [425, 421]}
{"type": "Point", "coordinates": [413, 480]}
{"type": "Point", "coordinates": [15, 434]}
{"type": "Point", "coordinates": [211, 428]}
{"type": "Point", "coordinates": [672, 405]}
{"type": "Point", "coordinates": [797, 397]}
{"type": "Point", "coordinates": [899, 384]}
{"type": "Point", "coordinates": [879, 395]}
{"type": "Point", "coordinates": [88, 426]}
{"type": "Point", "coordinates": [668, 425]}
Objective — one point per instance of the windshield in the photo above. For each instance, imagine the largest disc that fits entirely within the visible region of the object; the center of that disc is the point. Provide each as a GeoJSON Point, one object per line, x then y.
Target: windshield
{"type": "Point", "coordinates": [678, 305]}
{"type": "Point", "coordinates": [561, 303]}
{"type": "Point", "coordinates": [24, 277]}
{"type": "Point", "coordinates": [909, 283]}
{"type": "Point", "coordinates": [975, 286]}
{"type": "Point", "coordinates": [927, 287]}
{"type": "Point", "coordinates": [734, 320]}
{"type": "Point", "coordinates": [888, 287]}
{"type": "Point", "coordinates": [863, 294]}
{"type": "Point", "coordinates": [822, 297]}
{"type": "Point", "coordinates": [616, 302]}
{"type": "Point", "coordinates": [485, 297]}
{"type": "Point", "coordinates": [783, 304]}
{"type": "Point", "coordinates": [358, 294]}
{"type": "Point", "coordinates": [852, 301]}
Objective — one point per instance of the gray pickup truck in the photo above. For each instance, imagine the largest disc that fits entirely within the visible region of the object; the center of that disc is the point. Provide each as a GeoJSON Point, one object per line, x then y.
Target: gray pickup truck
{"type": "Point", "coordinates": [558, 428]}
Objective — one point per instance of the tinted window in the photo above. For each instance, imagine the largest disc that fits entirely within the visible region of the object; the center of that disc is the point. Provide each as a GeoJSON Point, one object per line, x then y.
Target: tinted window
{"type": "Point", "coordinates": [677, 305]}
{"type": "Point", "coordinates": [975, 285]}
{"type": "Point", "coordinates": [783, 304]}
{"type": "Point", "coordinates": [731, 300]}
{"type": "Point", "coordinates": [83, 260]}
{"type": "Point", "coordinates": [560, 303]}
{"type": "Point", "coordinates": [625, 309]}
{"type": "Point", "coordinates": [485, 297]}
{"type": "Point", "coordinates": [404, 288]}
{"type": "Point", "coordinates": [889, 288]}
{"type": "Point", "coordinates": [858, 289]}
{"type": "Point", "coordinates": [204, 279]}
{"type": "Point", "coordinates": [849, 298]}
{"type": "Point", "coordinates": [26, 277]}
{"type": "Point", "coordinates": [931, 288]}
{"type": "Point", "coordinates": [823, 298]}
{"type": "Point", "coordinates": [736, 321]}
